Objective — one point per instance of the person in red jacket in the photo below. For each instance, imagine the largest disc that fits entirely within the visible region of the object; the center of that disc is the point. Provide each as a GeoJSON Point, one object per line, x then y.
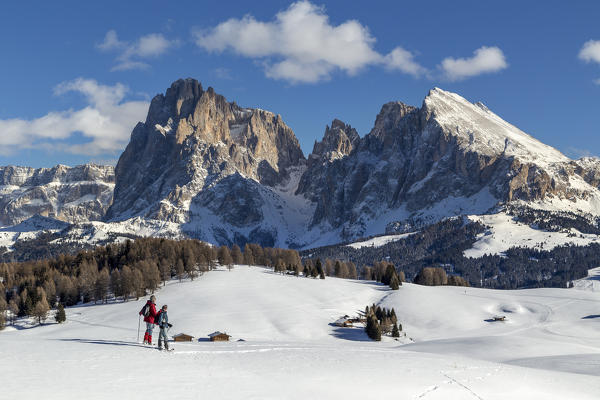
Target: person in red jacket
{"type": "Point", "coordinates": [149, 319]}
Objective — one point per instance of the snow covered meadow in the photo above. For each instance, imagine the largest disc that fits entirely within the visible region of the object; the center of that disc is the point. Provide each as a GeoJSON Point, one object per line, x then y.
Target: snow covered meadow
{"type": "Point", "coordinates": [548, 348]}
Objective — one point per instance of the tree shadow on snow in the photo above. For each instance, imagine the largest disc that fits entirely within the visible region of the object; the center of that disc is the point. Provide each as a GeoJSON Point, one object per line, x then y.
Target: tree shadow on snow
{"type": "Point", "coordinates": [105, 342]}
{"type": "Point", "coordinates": [591, 316]}
{"type": "Point", "coordinates": [353, 334]}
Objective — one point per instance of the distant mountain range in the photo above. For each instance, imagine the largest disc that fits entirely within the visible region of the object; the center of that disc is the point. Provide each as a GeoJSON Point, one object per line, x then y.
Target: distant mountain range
{"type": "Point", "coordinates": [203, 167]}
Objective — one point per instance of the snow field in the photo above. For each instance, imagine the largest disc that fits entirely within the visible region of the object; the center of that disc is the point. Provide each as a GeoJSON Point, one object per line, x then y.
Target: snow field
{"type": "Point", "coordinates": [549, 348]}
{"type": "Point", "coordinates": [505, 233]}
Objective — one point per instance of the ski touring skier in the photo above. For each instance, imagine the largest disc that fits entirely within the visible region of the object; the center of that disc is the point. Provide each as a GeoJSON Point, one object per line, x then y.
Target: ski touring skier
{"type": "Point", "coordinates": [162, 320]}
{"type": "Point", "coordinates": [149, 313]}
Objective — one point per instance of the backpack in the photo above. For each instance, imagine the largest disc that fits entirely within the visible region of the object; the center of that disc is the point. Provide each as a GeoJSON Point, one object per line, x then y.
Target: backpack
{"type": "Point", "coordinates": [157, 318]}
{"type": "Point", "coordinates": [145, 311]}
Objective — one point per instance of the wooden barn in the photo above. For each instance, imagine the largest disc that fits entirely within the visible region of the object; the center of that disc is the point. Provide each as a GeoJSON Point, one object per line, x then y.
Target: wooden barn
{"type": "Point", "coordinates": [219, 337]}
{"type": "Point", "coordinates": [182, 337]}
{"type": "Point", "coordinates": [345, 322]}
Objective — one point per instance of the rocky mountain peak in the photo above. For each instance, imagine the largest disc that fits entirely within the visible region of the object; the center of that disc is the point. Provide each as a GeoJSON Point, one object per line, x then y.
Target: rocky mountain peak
{"type": "Point", "coordinates": [338, 141]}
{"type": "Point", "coordinates": [192, 138]}
{"type": "Point", "coordinates": [178, 101]}
{"type": "Point", "coordinates": [389, 118]}
{"type": "Point", "coordinates": [478, 129]}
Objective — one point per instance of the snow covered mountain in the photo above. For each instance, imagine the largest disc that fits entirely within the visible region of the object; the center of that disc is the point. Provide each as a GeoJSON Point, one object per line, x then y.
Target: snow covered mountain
{"type": "Point", "coordinates": [226, 174]}
{"type": "Point", "coordinates": [449, 157]}
{"type": "Point", "coordinates": [207, 164]}
{"type": "Point", "coordinates": [70, 194]}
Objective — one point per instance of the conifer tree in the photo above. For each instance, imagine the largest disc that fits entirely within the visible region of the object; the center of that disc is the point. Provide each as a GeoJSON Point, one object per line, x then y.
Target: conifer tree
{"type": "Point", "coordinates": [224, 256]}
{"type": "Point", "coordinates": [25, 304]}
{"type": "Point", "coordinates": [373, 329]}
{"type": "Point", "coordinates": [179, 269]}
{"type": "Point", "coordinates": [395, 282]}
{"type": "Point", "coordinates": [50, 289]}
{"type": "Point", "coordinates": [395, 331]}
{"type": "Point", "coordinates": [248, 256]}
{"type": "Point", "coordinates": [116, 284]}
{"type": "Point", "coordinates": [390, 271]}
{"type": "Point", "coordinates": [236, 254]}
{"type": "Point", "coordinates": [3, 304]}
{"type": "Point", "coordinates": [41, 308]}
{"type": "Point", "coordinates": [127, 282]}
{"type": "Point", "coordinates": [314, 272]}
{"type": "Point", "coordinates": [139, 288]}
{"type": "Point", "coordinates": [402, 277]}
{"type": "Point", "coordinates": [165, 267]}
{"type": "Point", "coordinates": [3, 307]}
{"type": "Point", "coordinates": [60, 316]}
{"type": "Point", "coordinates": [101, 286]}
{"type": "Point", "coordinates": [329, 267]}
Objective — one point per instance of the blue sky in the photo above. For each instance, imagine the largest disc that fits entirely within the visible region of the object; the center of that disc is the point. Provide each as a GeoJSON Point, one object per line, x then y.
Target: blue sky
{"type": "Point", "coordinates": [77, 76]}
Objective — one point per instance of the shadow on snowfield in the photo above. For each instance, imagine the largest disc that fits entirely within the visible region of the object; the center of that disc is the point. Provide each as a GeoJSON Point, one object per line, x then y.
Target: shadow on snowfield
{"type": "Point", "coordinates": [353, 334]}
{"type": "Point", "coordinates": [591, 316]}
{"type": "Point", "coordinates": [105, 342]}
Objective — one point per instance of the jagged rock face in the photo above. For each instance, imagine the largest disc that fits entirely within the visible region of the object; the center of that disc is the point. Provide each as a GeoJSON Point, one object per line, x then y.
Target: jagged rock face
{"type": "Point", "coordinates": [203, 167]}
{"type": "Point", "coordinates": [71, 194]}
{"type": "Point", "coordinates": [338, 142]}
{"type": "Point", "coordinates": [449, 156]}
{"type": "Point", "coordinates": [191, 140]}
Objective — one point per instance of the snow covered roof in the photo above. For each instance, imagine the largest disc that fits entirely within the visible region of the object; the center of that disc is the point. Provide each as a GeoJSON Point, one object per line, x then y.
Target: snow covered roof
{"type": "Point", "coordinates": [217, 333]}
{"type": "Point", "coordinates": [182, 334]}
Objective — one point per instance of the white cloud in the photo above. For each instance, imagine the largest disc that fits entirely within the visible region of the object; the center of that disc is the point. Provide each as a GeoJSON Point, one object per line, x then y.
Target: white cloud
{"type": "Point", "coordinates": [301, 45]}
{"type": "Point", "coordinates": [111, 42]}
{"type": "Point", "coordinates": [484, 60]}
{"type": "Point", "coordinates": [590, 52]}
{"type": "Point", "coordinates": [106, 122]}
{"type": "Point", "coordinates": [403, 60]}
{"type": "Point", "coordinates": [130, 53]}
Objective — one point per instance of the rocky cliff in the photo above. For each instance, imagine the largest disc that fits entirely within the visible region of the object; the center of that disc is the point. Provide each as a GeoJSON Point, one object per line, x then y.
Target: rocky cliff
{"type": "Point", "coordinates": [195, 147]}
{"type": "Point", "coordinates": [71, 194]}
{"type": "Point", "coordinates": [448, 157]}
{"type": "Point", "coordinates": [211, 169]}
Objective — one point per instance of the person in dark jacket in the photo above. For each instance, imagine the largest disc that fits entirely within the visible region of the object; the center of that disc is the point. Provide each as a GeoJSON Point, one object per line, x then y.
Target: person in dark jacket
{"type": "Point", "coordinates": [163, 323]}
{"type": "Point", "coordinates": [149, 320]}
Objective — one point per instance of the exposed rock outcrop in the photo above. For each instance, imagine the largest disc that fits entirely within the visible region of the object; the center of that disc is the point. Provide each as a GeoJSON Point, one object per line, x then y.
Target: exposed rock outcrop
{"type": "Point", "coordinates": [191, 140]}
{"type": "Point", "coordinates": [71, 194]}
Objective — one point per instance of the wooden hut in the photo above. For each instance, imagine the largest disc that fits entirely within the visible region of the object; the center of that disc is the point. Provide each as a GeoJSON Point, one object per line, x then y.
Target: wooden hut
{"type": "Point", "coordinates": [219, 337]}
{"type": "Point", "coordinates": [182, 337]}
{"type": "Point", "coordinates": [345, 322]}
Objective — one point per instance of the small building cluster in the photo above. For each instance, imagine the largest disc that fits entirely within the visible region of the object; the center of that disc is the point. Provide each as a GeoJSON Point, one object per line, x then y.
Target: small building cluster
{"type": "Point", "coordinates": [213, 337]}
{"type": "Point", "coordinates": [348, 322]}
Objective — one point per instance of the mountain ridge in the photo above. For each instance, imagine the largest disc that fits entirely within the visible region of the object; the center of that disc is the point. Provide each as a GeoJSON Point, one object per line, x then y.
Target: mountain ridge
{"type": "Point", "coordinates": [228, 174]}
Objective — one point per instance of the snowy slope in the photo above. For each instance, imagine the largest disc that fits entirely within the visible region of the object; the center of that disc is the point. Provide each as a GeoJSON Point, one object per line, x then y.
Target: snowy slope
{"type": "Point", "coordinates": [505, 233]}
{"type": "Point", "coordinates": [379, 241]}
{"type": "Point", "coordinates": [485, 132]}
{"type": "Point", "coordinates": [590, 282]}
{"type": "Point", "coordinates": [548, 348]}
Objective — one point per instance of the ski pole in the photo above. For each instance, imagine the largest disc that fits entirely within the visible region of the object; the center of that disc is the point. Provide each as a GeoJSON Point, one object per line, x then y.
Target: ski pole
{"type": "Point", "coordinates": [139, 322]}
